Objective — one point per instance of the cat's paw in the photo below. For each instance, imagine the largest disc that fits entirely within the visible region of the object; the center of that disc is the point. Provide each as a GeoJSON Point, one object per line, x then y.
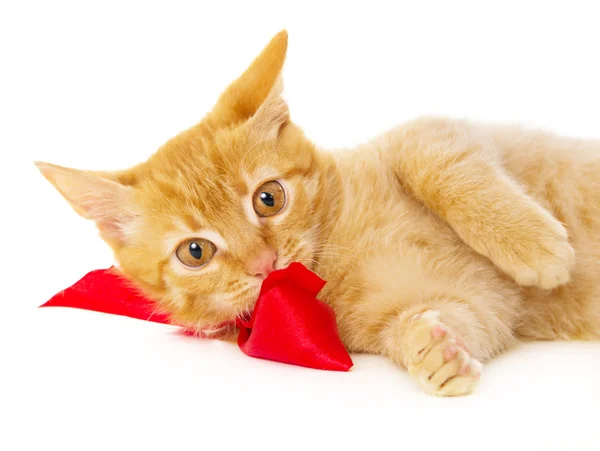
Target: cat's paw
{"type": "Point", "coordinates": [438, 358]}
{"type": "Point", "coordinates": [538, 256]}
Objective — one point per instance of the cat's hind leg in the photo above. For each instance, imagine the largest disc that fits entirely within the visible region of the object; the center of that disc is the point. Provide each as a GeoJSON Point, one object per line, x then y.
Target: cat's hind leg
{"type": "Point", "coordinates": [442, 346]}
{"type": "Point", "coordinates": [438, 318]}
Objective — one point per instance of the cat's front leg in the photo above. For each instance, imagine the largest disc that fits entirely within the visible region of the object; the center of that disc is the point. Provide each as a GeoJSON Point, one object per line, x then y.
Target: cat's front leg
{"type": "Point", "coordinates": [454, 170]}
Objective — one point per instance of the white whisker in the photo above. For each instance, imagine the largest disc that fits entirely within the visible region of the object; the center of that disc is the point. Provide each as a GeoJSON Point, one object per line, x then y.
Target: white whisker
{"type": "Point", "coordinates": [252, 147]}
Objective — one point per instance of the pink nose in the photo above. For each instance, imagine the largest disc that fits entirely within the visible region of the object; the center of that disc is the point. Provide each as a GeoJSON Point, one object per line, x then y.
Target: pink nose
{"type": "Point", "coordinates": [262, 264]}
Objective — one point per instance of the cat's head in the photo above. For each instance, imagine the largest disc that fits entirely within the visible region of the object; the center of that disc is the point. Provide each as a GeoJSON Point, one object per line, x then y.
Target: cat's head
{"type": "Point", "coordinates": [200, 224]}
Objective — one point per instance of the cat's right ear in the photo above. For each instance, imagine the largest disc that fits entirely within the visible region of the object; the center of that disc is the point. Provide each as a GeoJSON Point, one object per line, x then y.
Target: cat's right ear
{"type": "Point", "coordinates": [96, 197]}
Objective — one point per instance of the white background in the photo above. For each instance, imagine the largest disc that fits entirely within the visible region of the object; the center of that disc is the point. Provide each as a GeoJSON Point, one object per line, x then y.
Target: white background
{"type": "Point", "coordinates": [101, 85]}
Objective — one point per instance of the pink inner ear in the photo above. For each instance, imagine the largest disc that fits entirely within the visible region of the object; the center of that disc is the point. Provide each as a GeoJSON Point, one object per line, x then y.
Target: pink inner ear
{"type": "Point", "coordinates": [111, 231]}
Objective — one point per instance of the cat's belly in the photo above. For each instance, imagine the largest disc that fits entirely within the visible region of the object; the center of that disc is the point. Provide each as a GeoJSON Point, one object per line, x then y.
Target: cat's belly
{"type": "Point", "coordinates": [381, 235]}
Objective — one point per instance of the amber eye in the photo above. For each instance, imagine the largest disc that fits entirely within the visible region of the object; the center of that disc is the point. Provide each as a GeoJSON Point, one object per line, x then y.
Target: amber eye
{"type": "Point", "coordinates": [269, 199]}
{"type": "Point", "coordinates": [195, 252]}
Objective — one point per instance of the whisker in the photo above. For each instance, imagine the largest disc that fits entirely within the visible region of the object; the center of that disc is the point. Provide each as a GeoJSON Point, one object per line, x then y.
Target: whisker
{"type": "Point", "coordinates": [329, 254]}
{"type": "Point", "coordinates": [337, 246]}
{"type": "Point", "coordinates": [264, 153]}
{"type": "Point", "coordinates": [309, 260]}
{"type": "Point", "coordinates": [228, 162]}
{"type": "Point", "coordinates": [252, 147]}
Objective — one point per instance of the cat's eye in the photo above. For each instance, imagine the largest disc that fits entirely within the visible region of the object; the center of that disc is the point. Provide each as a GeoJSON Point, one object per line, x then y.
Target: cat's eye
{"type": "Point", "coordinates": [195, 252]}
{"type": "Point", "coordinates": [269, 199]}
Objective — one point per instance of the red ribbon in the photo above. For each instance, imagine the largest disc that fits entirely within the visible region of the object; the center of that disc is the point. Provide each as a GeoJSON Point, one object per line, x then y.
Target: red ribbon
{"type": "Point", "coordinates": [106, 291]}
{"type": "Point", "coordinates": [288, 324]}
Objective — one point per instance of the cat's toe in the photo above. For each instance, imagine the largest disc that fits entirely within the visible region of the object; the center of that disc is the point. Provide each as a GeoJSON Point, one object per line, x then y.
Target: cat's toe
{"type": "Point", "coordinates": [458, 376]}
{"type": "Point", "coordinates": [547, 264]}
{"type": "Point", "coordinates": [438, 358]}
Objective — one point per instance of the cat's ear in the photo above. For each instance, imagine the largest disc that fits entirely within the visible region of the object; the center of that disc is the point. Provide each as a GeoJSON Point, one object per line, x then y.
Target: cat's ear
{"type": "Point", "coordinates": [261, 80]}
{"type": "Point", "coordinates": [270, 118]}
{"type": "Point", "coordinates": [95, 196]}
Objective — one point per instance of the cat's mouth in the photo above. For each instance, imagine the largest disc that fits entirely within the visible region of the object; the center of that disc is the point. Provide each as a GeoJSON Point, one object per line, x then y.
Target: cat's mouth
{"type": "Point", "coordinates": [243, 316]}
{"type": "Point", "coordinates": [283, 262]}
{"type": "Point", "coordinates": [280, 264]}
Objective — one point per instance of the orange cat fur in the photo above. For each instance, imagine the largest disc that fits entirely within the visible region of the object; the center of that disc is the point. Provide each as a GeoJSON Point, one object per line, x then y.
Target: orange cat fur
{"type": "Point", "coordinates": [443, 242]}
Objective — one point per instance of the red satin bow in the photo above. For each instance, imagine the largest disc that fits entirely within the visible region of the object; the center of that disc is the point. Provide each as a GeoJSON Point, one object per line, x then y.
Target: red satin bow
{"type": "Point", "coordinates": [288, 324]}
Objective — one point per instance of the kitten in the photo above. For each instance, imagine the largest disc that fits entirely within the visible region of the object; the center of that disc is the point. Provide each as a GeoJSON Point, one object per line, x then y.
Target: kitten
{"type": "Point", "coordinates": [443, 242]}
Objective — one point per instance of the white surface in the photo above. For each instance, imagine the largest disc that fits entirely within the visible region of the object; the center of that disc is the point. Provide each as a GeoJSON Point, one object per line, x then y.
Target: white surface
{"type": "Point", "coordinates": [103, 86]}
{"type": "Point", "coordinates": [83, 380]}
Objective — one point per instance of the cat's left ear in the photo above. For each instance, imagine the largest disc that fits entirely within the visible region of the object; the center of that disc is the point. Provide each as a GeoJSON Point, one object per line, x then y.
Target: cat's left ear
{"type": "Point", "coordinates": [261, 81]}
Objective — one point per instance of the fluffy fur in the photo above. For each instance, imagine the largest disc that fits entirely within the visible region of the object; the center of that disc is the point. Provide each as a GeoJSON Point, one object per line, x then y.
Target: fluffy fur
{"type": "Point", "coordinates": [442, 241]}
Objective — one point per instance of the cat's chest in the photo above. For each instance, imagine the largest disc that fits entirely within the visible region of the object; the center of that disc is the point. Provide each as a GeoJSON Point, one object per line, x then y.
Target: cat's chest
{"type": "Point", "coordinates": [376, 217]}
{"type": "Point", "coordinates": [375, 211]}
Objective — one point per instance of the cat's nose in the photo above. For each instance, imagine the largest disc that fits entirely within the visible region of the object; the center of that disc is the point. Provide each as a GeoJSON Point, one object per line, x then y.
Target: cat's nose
{"type": "Point", "coordinates": [262, 264]}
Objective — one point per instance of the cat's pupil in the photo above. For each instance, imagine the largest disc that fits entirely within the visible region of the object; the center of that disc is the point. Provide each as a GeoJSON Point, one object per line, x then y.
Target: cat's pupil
{"type": "Point", "coordinates": [196, 251]}
{"type": "Point", "coordinates": [267, 199]}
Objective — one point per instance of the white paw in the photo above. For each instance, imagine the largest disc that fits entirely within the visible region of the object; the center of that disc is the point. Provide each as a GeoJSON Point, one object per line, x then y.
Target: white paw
{"type": "Point", "coordinates": [438, 358]}
{"type": "Point", "coordinates": [544, 260]}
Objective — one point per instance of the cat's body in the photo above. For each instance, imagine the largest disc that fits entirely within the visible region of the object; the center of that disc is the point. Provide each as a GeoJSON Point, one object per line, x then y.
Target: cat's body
{"type": "Point", "coordinates": [442, 242]}
{"type": "Point", "coordinates": [395, 235]}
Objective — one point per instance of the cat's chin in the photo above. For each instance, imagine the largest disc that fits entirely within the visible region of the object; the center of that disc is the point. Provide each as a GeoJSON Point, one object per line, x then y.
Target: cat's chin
{"type": "Point", "coordinates": [221, 330]}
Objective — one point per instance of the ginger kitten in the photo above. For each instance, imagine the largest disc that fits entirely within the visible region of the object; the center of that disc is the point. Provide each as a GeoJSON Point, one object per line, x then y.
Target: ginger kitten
{"type": "Point", "coordinates": [443, 242]}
